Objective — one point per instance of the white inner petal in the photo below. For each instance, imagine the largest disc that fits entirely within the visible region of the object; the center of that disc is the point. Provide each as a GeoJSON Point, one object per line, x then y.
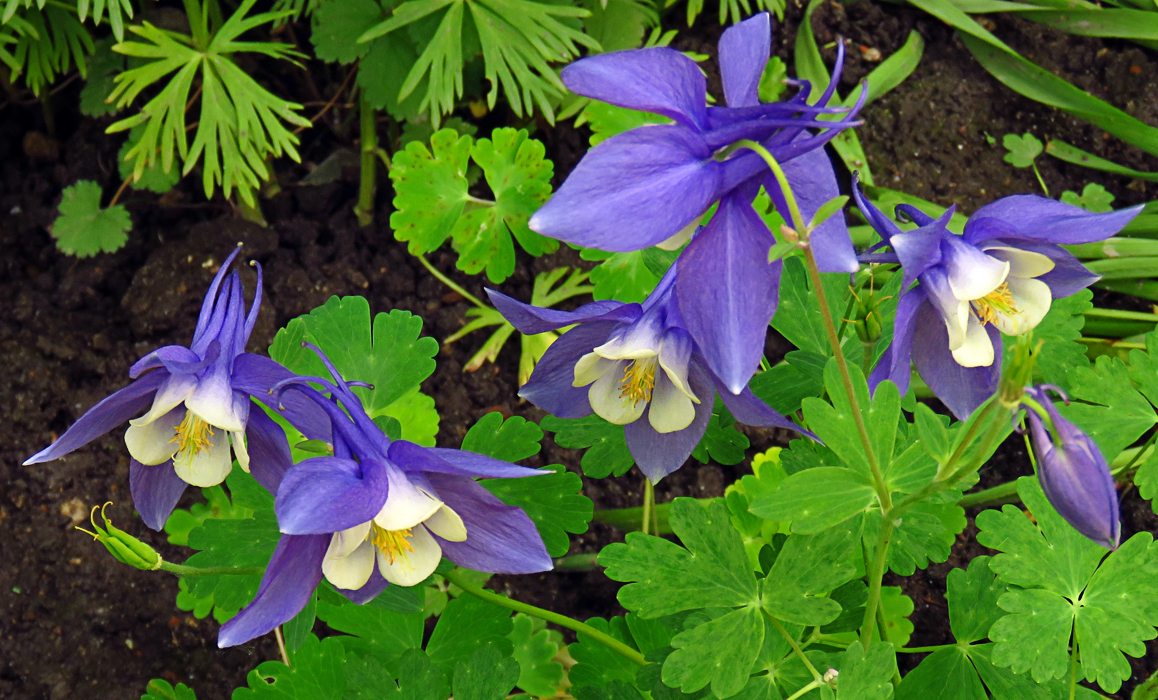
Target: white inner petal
{"type": "Point", "coordinates": [152, 443]}
{"type": "Point", "coordinates": [677, 376]}
{"type": "Point", "coordinates": [411, 568]}
{"type": "Point", "coordinates": [671, 409]}
{"type": "Point", "coordinates": [591, 367]}
{"type": "Point", "coordinates": [213, 401]}
{"type": "Point", "coordinates": [1022, 263]}
{"type": "Point", "coordinates": [351, 571]}
{"type": "Point", "coordinates": [973, 274]}
{"type": "Point", "coordinates": [977, 350]}
{"type": "Point", "coordinates": [606, 402]}
{"type": "Point", "coordinates": [209, 466]}
{"type": "Point", "coordinates": [1032, 299]}
{"type": "Point", "coordinates": [172, 394]}
{"type": "Point", "coordinates": [640, 340]}
{"type": "Point", "coordinates": [406, 505]}
{"type": "Point", "coordinates": [447, 524]}
{"type": "Point", "coordinates": [348, 540]}
{"type": "Point", "coordinates": [240, 450]}
{"type": "Point", "coordinates": [957, 324]}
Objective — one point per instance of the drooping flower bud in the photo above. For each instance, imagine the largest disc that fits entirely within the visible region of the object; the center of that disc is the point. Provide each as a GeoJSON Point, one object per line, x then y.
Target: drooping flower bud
{"type": "Point", "coordinates": [1073, 473]}
{"type": "Point", "coordinates": [123, 546]}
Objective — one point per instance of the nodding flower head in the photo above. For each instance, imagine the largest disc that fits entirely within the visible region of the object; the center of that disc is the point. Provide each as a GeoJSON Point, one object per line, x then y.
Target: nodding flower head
{"type": "Point", "coordinates": [381, 512]}
{"type": "Point", "coordinates": [1072, 471]}
{"type": "Point", "coordinates": [192, 406]}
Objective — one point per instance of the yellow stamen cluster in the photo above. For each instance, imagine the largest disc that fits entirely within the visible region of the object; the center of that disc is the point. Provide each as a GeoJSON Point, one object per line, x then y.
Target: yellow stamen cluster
{"type": "Point", "coordinates": [638, 380]}
{"type": "Point", "coordinates": [392, 543]}
{"type": "Point", "coordinates": [1000, 300]}
{"type": "Point", "coordinates": [193, 436]}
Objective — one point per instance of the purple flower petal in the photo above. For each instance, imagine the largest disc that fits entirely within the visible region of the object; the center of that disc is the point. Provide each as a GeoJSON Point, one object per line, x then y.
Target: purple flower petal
{"type": "Point", "coordinates": [366, 593]}
{"type": "Point", "coordinates": [895, 364]}
{"type": "Point", "coordinates": [660, 454]}
{"type": "Point", "coordinates": [290, 579]}
{"type": "Point", "coordinates": [744, 50]}
{"type": "Point", "coordinates": [269, 452]}
{"type": "Point", "coordinates": [658, 80]}
{"type": "Point", "coordinates": [328, 494]}
{"type": "Point", "coordinates": [813, 183]}
{"type": "Point", "coordinates": [633, 191]}
{"type": "Point", "coordinates": [550, 387]}
{"type": "Point", "coordinates": [876, 218]}
{"type": "Point", "coordinates": [442, 460]}
{"type": "Point", "coordinates": [1037, 218]}
{"type": "Point", "coordinates": [961, 389]}
{"type": "Point", "coordinates": [728, 291]}
{"type": "Point", "coordinates": [531, 320]}
{"type": "Point", "coordinates": [749, 410]}
{"type": "Point", "coordinates": [500, 539]}
{"type": "Point", "coordinates": [255, 375]}
{"type": "Point", "coordinates": [211, 298]}
{"type": "Point", "coordinates": [111, 411]}
{"type": "Point", "coordinates": [178, 355]}
{"type": "Point", "coordinates": [156, 490]}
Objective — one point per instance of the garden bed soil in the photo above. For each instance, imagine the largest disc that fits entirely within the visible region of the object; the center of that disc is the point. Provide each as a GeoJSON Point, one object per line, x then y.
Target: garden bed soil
{"type": "Point", "coordinates": [74, 623]}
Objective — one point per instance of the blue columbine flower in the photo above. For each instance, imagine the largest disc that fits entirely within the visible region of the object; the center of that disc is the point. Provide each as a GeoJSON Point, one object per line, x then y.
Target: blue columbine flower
{"type": "Point", "coordinates": [636, 366]}
{"type": "Point", "coordinates": [1073, 473]}
{"type": "Point", "coordinates": [379, 512]}
{"type": "Point", "coordinates": [652, 185]}
{"type": "Point", "coordinates": [999, 276]}
{"type": "Point", "coordinates": [195, 405]}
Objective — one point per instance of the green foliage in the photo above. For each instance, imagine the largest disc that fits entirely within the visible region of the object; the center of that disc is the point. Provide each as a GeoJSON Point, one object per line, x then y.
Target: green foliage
{"type": "Point", "coordinates": [487, 675]}
{"type": "Point", "coordinates": [159, 689]}
{"type": "Point", "coordinates": [387, 353]}
{"type": "Point", "coordinates": [433, 203]}
{"type": "Point", "coordinates": [535, 649]}
{"type": "Point", "coordinates": [1063, 581]}
{"type": "Point", "coordinates": [1022, 149]}
{"type": "Point", "coordinates": [620, 276]}
{"type": "Point", "coordinates": [154, 178]}
{"type": "Point", "coordinates": [217, 505]}
{"type": "Point", "coordinates": [84, 229]}
{"type": "Point", "coordinates": [240, 124]}
{"type": "Point", "coordinates": [735, 10]}
{"type": "Point", "coordinates": [518, 39]}
{"type": "Point", "coordinates": [721, 442]}
{"type": "Point", "coordinates": [102, 71]}
{"type": "Point", "coordinates": [510, 440]}
{"type": "Point", "coordinates": [817, 499]}
{"type": "Point", "coordinates": [797, 317]}
{"type": "Point", "coordinates": [47, 41]}
{"type": "Point", "coordinates": [315, 672]}
{"type": "Point", "coordinates": [467, 624]}
{"type": "Point", "coordinates": [382, 636]}
{"type": "Point", "coordinates": [867, 675]}
{"type": "Point", "coordinates": [607, 454]}
{"type": "Point", "coordinates": [609, 120]}
{"type": "Point", "coordinates": [1093, 198]}
{"type": "Point", "coordinates": [552, 501]}
{"type": "Point", "coordinates": [1105, 404]}
{"type": "Point", "coordinates": [807, 568]}
{"type": "Point", "coordinates": [1059, 332]}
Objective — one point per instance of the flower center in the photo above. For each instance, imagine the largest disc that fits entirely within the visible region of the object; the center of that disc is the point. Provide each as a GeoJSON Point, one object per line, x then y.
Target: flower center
{"type": "Point", "coordinates": [392, 543]}
{"type": "Point", "coordinates": [999, 301]}
{"type": "Point", "coordinates": [638, 380]}
{"type": "Point", "coordinates": [193, 436]}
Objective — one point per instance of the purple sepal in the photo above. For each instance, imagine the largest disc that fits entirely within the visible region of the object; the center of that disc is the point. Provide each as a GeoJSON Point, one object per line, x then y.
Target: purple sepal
{"type": "Point", "coordinates": [749, 410]}
{"type": "Point", "coordinates": [658, 80]}
{"type": "Point", "coordinates": [269, 451]}
{"type": "Point", "coordinates": [660, 454]}
{"type": "Point", "coordinates": [532, 320]}
{"type": "Point", "coordinates": [813, 182]}
{"type": "Point", "coordinates": [328, 495]}
{"type": "Point", "coordinates": [1036, 218]}
{"type": "Point", "coordinates": [366, 593]}
{"type": "Point", "coordinates": [164, 357]}
{"type": "Point", "coordinates": [1075, 478]}
{"type": "Point", "coordinates": [255, 375]}
{"type": "Point", "coordinates": [111, 411]}
{"type": "Point", "coordinates": [551, 384]}
{"type": "Point", "coordinates": [655, 180]}
{"type": "Point", "coordinates": [444, 460]}
{"type": "Point", "coordinates": [290, 579]}
{"type": "Point", "coordinates": [156, 490]}
{"type": "Point", "coordinates": [728, 291]}
{"type": "Point", "coordinates": [743, 53]}
{"type": "Point", "coordinates": [500, 539]}
{"type": "Point", "coordinates": [881, 223]}
{"type": "Point", "coordinates": [961, 389]}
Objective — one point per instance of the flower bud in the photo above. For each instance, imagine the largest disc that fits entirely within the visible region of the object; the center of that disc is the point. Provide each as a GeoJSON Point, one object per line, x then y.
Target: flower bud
{"type": "Point", "coordinates": [123, 546]}
{"type": "Point", "coordinates": [1073, 473]}
{"type": "Point", "coordinates": [867, 319]}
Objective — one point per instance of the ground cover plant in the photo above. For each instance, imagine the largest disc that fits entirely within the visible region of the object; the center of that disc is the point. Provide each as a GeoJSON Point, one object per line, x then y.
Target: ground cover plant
{"type": "Point", "coordinates": [781, 421]}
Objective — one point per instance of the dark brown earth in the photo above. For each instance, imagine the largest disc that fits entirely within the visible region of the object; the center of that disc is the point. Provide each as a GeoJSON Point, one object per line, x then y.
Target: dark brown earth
{"type": "Point", "coordinates": [74, 623]}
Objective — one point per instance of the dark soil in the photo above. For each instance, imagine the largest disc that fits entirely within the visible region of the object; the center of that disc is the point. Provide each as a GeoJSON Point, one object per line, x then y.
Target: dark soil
{"type": "Point", "coordinates": [74, 623]}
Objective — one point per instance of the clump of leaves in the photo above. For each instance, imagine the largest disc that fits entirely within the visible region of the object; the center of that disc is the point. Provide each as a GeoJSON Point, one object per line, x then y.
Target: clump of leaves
{"type": "Point", "coordinates": [241, 123]}
{"type": "Point", "coordinates": [46, 42]}
{"type": "Point", "coordinates": [84, 229]}
{"type": "Point", "coordinates": [433, 202]}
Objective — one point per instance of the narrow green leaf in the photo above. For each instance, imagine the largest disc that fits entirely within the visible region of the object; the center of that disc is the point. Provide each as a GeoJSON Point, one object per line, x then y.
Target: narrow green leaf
{"type": "Point", "coordinates": [1070, 154]}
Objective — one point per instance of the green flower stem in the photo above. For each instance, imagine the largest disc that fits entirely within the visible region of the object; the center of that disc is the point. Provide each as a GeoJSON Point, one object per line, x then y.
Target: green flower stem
{"type": "Point", "coordinates": [182, 570]}
{"type": "Point", "coordinates": [368, 182]}
{"type": "Point", "coordinates": [648, 505]}
{"type": "Point", "coordinates": [629, 519]}
{"type": "Point", "coordinates": [456, 577]}
{"type": "Point", "coordinates": [998, 495]}
{"type": "Point", "coordinates": [450, 283]}
{"type": "Point", "coordinates": [795, 647]}
{"type": "Point", "coordinates": [578, 562]}
{"type": "Point", "coordinates": [876, 576]}
{"type": "Point", "coordinates": [781, 179]}
{"type": "Point", "coordinates": [806, 689]}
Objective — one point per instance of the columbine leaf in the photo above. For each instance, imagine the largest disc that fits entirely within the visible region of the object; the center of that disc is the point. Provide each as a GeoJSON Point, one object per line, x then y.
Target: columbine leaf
{"type": "Point", "coordinates": [103, 68]}
{"type": "Point", "coordinates": [817, 499]}
{"type": "Point", "coordinates": [430, 190]}
{"type": "Point", "coordinates": [381, 635]}
{"type": "Point", "coordinates": [807, 568]}
{"type": "Point", "coordinates": [486, 675]}
{"type": "Point", "coordinates": [84, 229]}
{"type": "Point", "coordinates": [1093, 198]}
{"type": "Point", "coordinates": [867, 675]}
{"type": "Point", "coordinates": [797, 317]}
{"type": "Point", "coordinates": [973, 594]}
{"type": "Point", "coordinates": [1022, 149]}
{"type": "Point", "coordinates": [1107, 406]}
{"type": "Point", "coordinates": [1059, 332]}
{"type": "Point", "coordinates": [50, 40]}
{"type": "Point", "coordinates": [551, 501]}
{"type": "Point", "coordinates": [315, 672]}
{"type": "Point", "coordinates": [390, 354]}
{"type": "Point", "coordinates": [467, 624]}
{"type": "Point", "coordinates": [417, 679]}
{"type": "Point", "coordinates": [159, 689]}
{"type": "Point", "coordinates": [510, 440]}
{"type": "Point", "coordinates": [535, 647]}
{"type": "Point", "coordinates": [520, 179]}
{"type": "Point", "coordinates": [337, 24]}
{"type": "Point", "coordinates": [721, 442]}
{"type": "Point", "coordinates": [621, 276]}
{"type": "Point", "coordinates": [596, 665]}
{"type": "Point", "coordinates": [720, 652]}
{"type": "Point", "coordinates": [946, 674]}
{"type": "Point", "coordinates": [417, 418]}
{"type": "Point", "coordinates": [712, 572]}
{"type": "Point", "coordinates": [608, 120]}
{"type": "Point", "coordinates": [608, 453]}
{"type": "Point", "coordinates": [925, 533]}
